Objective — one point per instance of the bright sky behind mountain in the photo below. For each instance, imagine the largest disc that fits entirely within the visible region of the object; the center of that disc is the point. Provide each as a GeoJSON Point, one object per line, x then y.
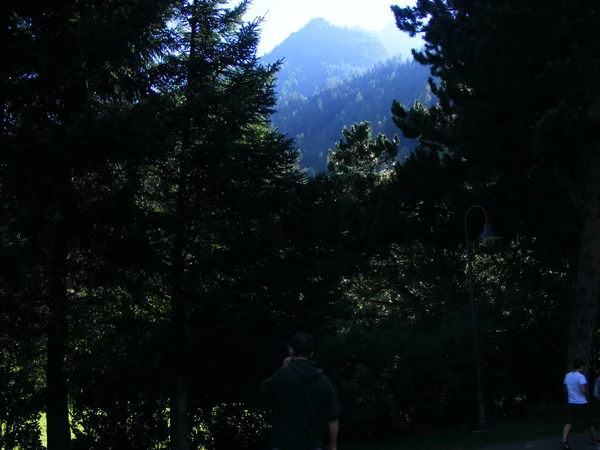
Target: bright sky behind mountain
{"type": "Point", "coordinates": [284, 17]}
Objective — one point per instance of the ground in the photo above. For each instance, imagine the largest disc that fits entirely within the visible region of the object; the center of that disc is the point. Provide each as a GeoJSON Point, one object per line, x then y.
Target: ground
{"type": "Point", "coordinates": [579, 441]}
{"type": "Point", "coordinates": [537, 430]}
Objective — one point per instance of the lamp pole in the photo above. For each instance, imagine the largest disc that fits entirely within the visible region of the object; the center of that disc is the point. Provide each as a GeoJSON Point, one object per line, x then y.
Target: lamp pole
{"type": "Point", "coordinates": [482, 425]}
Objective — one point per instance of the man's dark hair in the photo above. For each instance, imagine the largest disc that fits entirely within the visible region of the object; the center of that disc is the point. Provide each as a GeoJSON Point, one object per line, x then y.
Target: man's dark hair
{"type": "Point", "coordinates": [578, 363]}
{"type": "Point", "coordinates": [303, 344]}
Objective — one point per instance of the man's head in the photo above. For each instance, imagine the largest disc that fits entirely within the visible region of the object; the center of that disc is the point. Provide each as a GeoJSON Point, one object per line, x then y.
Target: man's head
{"type": "Point", "coordinates": [303, 345]}
{"type": "Point", "coordinates": [578, 364]}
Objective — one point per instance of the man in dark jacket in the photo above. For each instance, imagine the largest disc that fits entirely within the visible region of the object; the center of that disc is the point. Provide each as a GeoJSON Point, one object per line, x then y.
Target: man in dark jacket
{"type": "Point", "coordinates": [305, 405]}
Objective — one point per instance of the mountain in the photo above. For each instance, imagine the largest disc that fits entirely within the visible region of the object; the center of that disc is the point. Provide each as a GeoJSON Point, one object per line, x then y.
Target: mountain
{"type": "Point", "coordinates": [316, 122]}
{"type": "Point", "coordinates": [397, 42]}
{"type": "Point", "coordinates": [321, 54]}
{"type": "Point", "coordinates": [334, 76]}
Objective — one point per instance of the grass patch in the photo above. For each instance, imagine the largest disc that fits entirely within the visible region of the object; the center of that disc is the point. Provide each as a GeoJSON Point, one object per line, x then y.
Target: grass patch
{"type": "Point", "coordinates": [44, 426]}
{"type": "Point", "coordinates": [531, 426]}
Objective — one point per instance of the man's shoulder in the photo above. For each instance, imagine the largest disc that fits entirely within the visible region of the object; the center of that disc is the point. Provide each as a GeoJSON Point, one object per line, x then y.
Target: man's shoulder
{"type": "Point", "coordinates": [282, 371]}
{"type": "Point", "coordinates": [575, 377]}
{"type": "Point", "coordinates": [286, 372]}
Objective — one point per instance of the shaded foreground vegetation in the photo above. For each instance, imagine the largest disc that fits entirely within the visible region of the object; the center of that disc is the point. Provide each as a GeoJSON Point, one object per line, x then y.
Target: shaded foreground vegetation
{"type": "Point", "coordinates": [160, 240]}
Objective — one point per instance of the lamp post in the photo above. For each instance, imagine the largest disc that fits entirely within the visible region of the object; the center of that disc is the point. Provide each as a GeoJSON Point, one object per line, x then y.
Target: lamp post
{"type": "Point", "coordinates": [488, 239]}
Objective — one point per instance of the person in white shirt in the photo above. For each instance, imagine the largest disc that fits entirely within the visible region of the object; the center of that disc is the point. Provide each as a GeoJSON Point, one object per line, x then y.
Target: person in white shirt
{"type": "Point", "coordinates": [576, 388]}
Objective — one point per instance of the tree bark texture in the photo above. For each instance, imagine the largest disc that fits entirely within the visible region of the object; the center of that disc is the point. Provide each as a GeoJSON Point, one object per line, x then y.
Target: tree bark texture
{"type": "Point", "coordinates": [57, 405]}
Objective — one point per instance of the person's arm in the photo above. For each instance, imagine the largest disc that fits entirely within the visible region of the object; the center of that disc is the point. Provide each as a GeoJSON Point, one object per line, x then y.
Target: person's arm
{"type": "Point", "coordinates": [583, 385]}
{"type": "Point", "coordinates": [332, 414]}
{"type": "Point", "coordinates": [334, 429]}
{"type": "Point", "coordinates": [268, 388]}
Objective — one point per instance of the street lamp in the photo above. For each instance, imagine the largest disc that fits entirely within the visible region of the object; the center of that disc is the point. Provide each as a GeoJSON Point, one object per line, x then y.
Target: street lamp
{"type": "Point", "coordinates": [488, 240]}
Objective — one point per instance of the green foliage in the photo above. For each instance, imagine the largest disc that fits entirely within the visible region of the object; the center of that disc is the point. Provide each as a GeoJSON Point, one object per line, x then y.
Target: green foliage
{"type": "Point", "coordinates": [159, 240]}
{"type": "Point", "coordinates": [508, 109]}
{"type": "Point", "coordinates": [360, 161]}
{"type": "Point", "coordinates": [315, 122]}
{"type": "Point", "coordinates": [139, 254]}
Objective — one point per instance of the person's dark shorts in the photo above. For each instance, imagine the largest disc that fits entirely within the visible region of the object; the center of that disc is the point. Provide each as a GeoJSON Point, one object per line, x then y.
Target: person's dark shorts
{"type": "Point", "coordinates": [579, 412]}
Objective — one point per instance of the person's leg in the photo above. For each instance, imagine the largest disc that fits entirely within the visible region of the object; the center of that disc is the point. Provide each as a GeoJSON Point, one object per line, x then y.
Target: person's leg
{"type": "Point", "coordinates": [586, 416]}
{"type": "Point", "coordinates": [592, 431]}
{"type": "Point", "coordinates": [566, 431]}
{"type": "Point", "coordinates": [571, 417]}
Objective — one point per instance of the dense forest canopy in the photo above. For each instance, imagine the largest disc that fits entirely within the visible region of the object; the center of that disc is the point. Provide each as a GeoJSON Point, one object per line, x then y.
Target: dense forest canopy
{"type": "Point", "coordinates": [159, 238]}
{"type": "Point", "coordinates": [316, 122]}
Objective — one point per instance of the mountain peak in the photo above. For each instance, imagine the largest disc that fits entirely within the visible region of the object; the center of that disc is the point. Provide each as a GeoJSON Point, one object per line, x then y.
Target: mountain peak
{"type": "Point", "coordinates": [318, 22]}
{"type": "Point", "coordinates": [321, 42]}
{"type": "Point", "coordinates": [321, 52]}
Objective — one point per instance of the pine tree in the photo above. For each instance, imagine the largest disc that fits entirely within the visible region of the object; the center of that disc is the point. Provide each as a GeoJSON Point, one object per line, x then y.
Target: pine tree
{"type": "Point", "coordinates": [220, 178]}
{"type": "Point", "coordinates": [516, 91]}
{"type": "Point", "coordinates": [360, 161]}
{"type": "Point", "coordinates": [71, 70]}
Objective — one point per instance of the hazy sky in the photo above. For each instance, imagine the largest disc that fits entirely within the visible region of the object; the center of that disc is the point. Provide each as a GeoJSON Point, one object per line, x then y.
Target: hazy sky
{"type": "Point", "coordinates": [286, 16]}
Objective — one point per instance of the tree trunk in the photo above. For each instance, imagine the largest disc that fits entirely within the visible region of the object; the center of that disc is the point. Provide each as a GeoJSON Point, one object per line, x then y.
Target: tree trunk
{"type": "Point", "coordinates": [179, 399]}
{"type": "Point", "coordinates": [179, 415]}
{"type": "Point", "coordinates": [57, 406]}
{"type": "Point", "coordinates": [179, 403]}
{"type": "Point", "coordinates": [585, 305]}
{"type": "Point", "coordinates": [118, 413]}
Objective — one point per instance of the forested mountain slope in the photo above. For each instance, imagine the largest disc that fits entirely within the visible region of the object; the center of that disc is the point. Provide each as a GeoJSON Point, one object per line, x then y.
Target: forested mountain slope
{"type": "Point", "coordinates": [316, 122]}
{"type": "Point", "coordinates": [320, 54]}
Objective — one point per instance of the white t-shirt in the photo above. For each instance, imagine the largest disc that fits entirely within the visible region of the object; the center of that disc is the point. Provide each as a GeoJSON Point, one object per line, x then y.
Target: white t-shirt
{"type": "Point", "coordinates": [572, 382]}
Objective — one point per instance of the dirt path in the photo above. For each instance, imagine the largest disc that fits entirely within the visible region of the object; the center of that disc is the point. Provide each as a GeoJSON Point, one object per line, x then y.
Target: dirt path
{"type": "Point", "coordinates": [578, 441]}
